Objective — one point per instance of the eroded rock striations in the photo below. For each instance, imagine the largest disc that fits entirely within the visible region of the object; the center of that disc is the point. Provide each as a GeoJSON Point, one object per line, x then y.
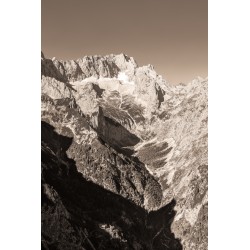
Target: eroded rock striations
{"type": "Point", "coordinates": [124, 157]}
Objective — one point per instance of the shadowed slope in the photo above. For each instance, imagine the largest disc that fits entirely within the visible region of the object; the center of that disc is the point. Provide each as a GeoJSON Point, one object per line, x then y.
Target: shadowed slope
{"type": "Point", "coordinates": [77, 214]}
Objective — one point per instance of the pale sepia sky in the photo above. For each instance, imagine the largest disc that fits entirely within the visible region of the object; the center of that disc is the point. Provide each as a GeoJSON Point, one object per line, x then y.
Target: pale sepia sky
{"type": "Point", "coordinates": [172, 35]}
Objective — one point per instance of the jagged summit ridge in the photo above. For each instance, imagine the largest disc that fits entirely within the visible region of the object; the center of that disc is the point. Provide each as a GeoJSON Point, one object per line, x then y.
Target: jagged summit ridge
{"type": "Point", "coordinates": [108, 66]}
{"type": "Point", "coordinates": [97, 66]}
{"type": "Point", "coordinates": [111, 73]}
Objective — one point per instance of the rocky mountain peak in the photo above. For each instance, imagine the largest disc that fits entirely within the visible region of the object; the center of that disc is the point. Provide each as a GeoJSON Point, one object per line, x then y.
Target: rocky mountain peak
{"type": "Point", "coordinates": [123, 132]}
{"type": "Point", "coordinates": [99, 66]}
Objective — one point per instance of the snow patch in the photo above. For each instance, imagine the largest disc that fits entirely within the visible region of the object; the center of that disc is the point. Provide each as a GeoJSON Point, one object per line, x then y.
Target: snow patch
{"type": "Point", "coordinates": [89, 79]}
{"type": "Point", "coordinates": [124, 78]}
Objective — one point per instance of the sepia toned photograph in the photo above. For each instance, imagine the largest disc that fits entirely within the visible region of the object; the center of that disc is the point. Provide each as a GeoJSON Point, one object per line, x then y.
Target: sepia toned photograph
{"type": "Point", "coordinates": [124, 124]}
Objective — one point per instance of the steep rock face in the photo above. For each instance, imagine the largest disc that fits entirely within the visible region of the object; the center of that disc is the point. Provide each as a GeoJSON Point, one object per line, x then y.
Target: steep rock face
{"type": "Point", "coordinates": [148, 89]}
{"type": "Point", "coordinates": [97, 159]}
{"type": "Point", "coordinates": [136, 136]}
{"type": "Point", "coordinates": [177, 155]}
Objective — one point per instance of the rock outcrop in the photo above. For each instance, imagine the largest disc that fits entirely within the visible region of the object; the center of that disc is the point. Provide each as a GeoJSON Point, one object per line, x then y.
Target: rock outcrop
{"type": "Point", "coordinates": [140, 146]}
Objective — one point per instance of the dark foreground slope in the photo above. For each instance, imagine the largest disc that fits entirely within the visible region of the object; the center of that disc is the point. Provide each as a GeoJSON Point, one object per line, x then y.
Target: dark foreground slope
{"type": "Point", "coordinates": [78, 214]}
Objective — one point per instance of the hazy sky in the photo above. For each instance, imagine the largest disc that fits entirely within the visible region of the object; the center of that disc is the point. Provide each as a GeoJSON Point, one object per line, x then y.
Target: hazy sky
{"type": "Point", "coordinates": [172, 35]}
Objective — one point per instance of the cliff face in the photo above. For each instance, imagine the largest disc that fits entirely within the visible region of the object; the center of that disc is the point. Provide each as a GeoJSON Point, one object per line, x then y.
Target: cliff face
{"type": "Point", "coordinates": [98, 159]}
{"type": "Point", "coordinates": [140, 141]}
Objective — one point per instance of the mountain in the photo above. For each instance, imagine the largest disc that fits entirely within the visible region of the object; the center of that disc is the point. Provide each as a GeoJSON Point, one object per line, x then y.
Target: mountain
{"type": "Point", "coordinates": [124, 156]}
